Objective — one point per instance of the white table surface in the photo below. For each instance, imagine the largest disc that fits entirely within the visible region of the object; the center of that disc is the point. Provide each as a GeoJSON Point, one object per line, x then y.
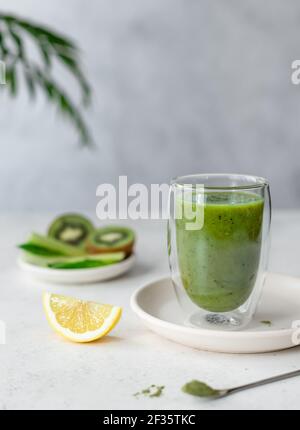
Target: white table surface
{"type": "Point", "coordinates": [40, 370]}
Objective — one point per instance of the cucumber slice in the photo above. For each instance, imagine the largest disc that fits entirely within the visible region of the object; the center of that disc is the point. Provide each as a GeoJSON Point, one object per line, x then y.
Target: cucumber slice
{"type": "Point", "coordinates": [111, 239]}
{"type": "Point", "coordinates": [83, 261]}
{"type": "Point", "coordinates": [83, 264]}
{"type": "Point", "coordinates": [43, 246]}
{"type": "Point", "coordinates": [72, 229]}
{"type": "Point", "coordinates": [89, 262]}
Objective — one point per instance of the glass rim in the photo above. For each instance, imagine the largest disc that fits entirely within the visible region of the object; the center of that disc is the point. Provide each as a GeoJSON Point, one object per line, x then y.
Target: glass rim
{"type": "Point", "coordinates": [257, 181]}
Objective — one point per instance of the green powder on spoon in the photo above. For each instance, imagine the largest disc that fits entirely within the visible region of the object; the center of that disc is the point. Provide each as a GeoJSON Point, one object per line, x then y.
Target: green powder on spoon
{"type": "Point", "coordinates": [200, 389]}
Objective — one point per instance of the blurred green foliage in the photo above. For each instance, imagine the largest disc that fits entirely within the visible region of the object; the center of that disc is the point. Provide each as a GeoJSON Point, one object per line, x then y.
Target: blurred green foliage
{"type": "Point", "coordinates": [53, 48]}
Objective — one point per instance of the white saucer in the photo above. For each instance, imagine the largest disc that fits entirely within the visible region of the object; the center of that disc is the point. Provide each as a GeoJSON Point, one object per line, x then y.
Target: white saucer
{"type": "Point", "coordinates": [77, 276]}
{"type": "Point", "coordinates": [156, 305]}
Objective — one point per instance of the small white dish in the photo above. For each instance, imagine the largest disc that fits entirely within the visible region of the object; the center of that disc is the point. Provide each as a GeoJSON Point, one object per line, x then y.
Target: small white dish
{"type": "Point", "coordinates": [157, 307]}
{"type": "Point", "coordinates": [77, 276]}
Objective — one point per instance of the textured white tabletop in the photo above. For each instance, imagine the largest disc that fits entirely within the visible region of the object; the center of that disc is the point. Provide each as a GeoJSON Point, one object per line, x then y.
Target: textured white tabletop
{"type": "Point", "coordinates": [40, 370]}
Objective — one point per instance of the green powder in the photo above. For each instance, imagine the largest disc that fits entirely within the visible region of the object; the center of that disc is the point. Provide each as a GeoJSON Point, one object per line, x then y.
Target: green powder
{"type": "Point", "coordinates": [200, 389]}
{"type": "Point", "coordinates": [266, 322]}
{"type": "Point", "coordinates": [152, 391]}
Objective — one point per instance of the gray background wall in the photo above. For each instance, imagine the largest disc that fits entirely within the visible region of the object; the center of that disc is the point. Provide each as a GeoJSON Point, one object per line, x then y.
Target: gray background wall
{"type": "Point", "coordinates": [180, 86]}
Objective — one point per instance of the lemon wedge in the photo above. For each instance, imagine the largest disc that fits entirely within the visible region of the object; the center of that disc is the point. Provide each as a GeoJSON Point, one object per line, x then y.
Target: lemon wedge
{"type": "Point", "coordinates": [77, 320]}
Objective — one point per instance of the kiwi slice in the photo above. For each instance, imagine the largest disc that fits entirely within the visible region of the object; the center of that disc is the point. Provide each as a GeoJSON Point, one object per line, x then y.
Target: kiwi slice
{"type": "Point", "coordinates": [111, 239]}
{"type": "Point", "coordinates": [72, 229]}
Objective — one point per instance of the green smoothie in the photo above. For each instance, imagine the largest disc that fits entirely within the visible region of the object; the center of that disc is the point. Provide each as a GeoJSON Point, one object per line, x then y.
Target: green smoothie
{"type": "Point", "coordinates": [219, 263]}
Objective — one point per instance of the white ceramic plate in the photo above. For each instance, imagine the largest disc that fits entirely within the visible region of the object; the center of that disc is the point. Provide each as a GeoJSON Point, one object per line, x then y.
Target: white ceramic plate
{"type": "Point", "coordinates": [77, 276]}
{"type": "Point", "coordinates": [156, 305]}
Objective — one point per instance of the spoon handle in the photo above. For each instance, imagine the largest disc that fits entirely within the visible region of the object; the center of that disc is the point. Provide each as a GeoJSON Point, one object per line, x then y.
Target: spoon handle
{"type": "Point", "coordinates": [265, 381]}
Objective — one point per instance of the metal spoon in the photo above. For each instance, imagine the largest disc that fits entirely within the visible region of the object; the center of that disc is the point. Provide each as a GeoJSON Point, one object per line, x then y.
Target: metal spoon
{"type": "Point", "coordinates": [200, 389]}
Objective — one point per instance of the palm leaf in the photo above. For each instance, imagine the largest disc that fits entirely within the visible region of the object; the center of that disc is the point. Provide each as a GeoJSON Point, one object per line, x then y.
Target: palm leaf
{"type": "Point", "coordinates": [52, 46]}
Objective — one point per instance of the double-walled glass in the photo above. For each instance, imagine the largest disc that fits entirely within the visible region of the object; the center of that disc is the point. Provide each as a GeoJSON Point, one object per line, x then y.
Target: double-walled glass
{"type": "Point", "coordinates": [218, 241]}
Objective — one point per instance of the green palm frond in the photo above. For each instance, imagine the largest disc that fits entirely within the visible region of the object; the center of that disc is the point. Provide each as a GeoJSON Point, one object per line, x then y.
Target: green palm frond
{"type": "Point", "coordinates": [53, 47]}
